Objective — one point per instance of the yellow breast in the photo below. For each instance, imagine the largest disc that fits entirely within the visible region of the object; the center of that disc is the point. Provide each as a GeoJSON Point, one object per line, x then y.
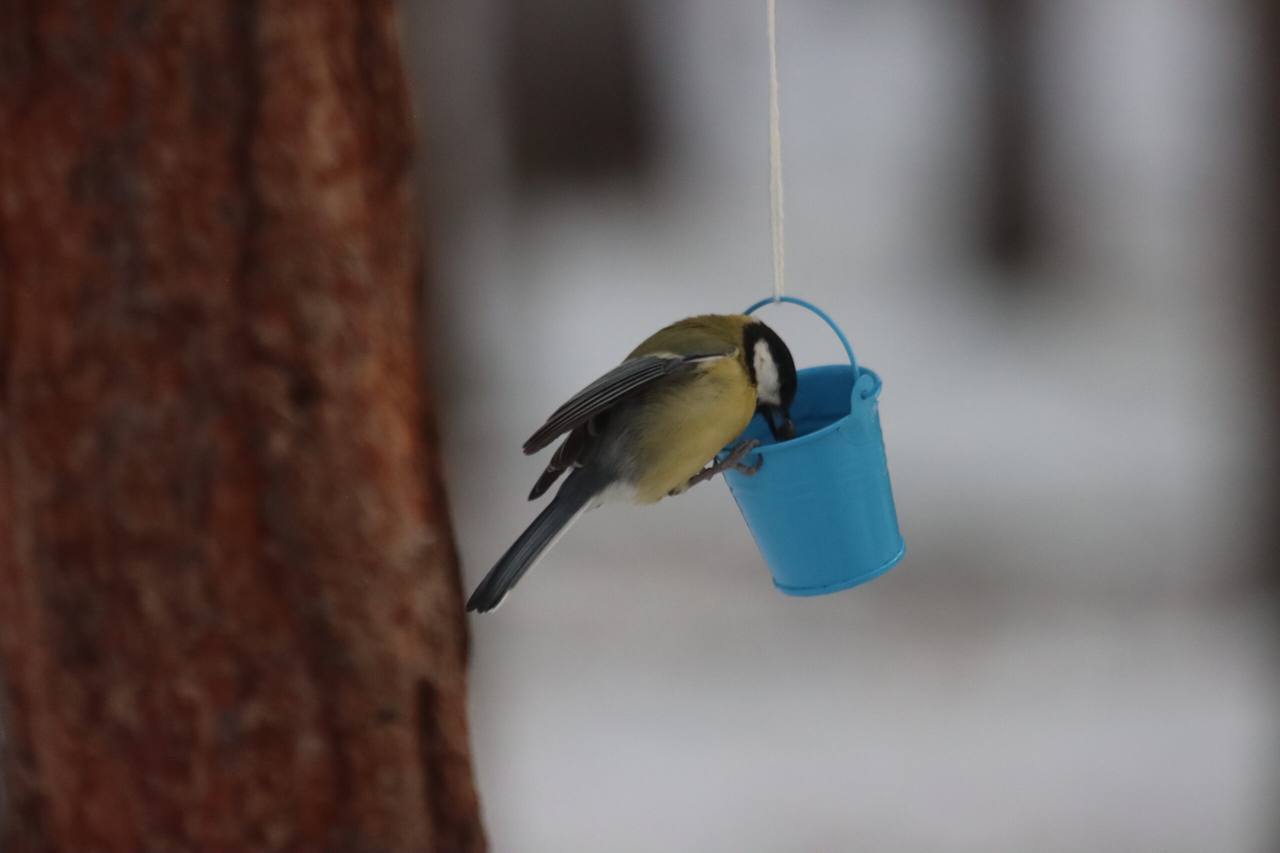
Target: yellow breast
{"type": "Point", "coordinates": [681, 428]}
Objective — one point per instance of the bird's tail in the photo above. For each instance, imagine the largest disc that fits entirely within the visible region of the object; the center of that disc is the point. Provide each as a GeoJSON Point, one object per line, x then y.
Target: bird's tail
{"type": "Point", "coordinates": [569, 503]}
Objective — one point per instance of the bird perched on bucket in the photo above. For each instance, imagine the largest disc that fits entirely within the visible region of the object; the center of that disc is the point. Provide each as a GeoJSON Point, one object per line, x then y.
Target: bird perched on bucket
{"type": "Point", "coordinates": [647, 428]}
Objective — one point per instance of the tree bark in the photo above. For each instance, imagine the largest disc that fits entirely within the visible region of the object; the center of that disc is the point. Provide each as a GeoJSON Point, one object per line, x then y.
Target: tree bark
{"type": "Point", "coordinates": [230, 610]}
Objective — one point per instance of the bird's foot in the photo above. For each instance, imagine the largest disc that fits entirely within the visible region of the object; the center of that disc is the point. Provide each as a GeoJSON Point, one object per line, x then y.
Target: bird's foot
{"type": "Point", "coordinates": [733, 460]}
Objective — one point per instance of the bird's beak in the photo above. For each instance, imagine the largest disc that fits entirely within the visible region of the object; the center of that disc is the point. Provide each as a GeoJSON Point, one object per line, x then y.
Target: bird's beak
{"type": "Point", "coordinates": [786, 430]}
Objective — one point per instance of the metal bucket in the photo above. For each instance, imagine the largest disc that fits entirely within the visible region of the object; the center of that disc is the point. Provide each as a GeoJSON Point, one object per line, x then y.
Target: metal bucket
{"type": "Point", "coordinates": [820, 506]}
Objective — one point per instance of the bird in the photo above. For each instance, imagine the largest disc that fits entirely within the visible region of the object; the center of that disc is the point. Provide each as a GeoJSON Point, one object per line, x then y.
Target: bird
{"type": "Point", "coordinates": [646, 429]}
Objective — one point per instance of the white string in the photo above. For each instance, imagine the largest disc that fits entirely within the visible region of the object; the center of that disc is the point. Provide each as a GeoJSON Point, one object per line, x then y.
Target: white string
{"type": "Point", "coordinates": [775, 158]}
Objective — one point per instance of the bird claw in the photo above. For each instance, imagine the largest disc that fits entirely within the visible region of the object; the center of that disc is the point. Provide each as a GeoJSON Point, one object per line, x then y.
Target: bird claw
{"type": "Point", "coordinates": [733, 460]}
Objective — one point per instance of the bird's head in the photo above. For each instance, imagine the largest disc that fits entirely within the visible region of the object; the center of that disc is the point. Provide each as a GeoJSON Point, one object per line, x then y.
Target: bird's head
{"type": "Point", "coordinates": [773, 372]}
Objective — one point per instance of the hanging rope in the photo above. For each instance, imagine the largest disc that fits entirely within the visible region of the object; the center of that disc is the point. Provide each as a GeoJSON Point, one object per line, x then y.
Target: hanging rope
{"type": "Point", "coordinates": [775, 158]}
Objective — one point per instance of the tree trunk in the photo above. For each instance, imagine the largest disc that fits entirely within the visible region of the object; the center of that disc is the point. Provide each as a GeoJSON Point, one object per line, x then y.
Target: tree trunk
{"type": "Point", "coordinates": [230, 614]}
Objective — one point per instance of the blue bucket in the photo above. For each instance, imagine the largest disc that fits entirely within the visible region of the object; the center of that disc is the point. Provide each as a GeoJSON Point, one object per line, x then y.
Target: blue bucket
{"type": "Point", "coordinates": [820, 507]}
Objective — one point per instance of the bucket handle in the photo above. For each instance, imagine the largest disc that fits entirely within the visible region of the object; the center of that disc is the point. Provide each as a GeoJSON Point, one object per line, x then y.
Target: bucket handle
{"type": "Point", "coordinates": [816, 310]}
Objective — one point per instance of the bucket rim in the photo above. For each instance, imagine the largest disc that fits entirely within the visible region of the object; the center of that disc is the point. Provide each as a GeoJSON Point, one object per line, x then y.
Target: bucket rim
{"type": "Point", "coordinates": [779, 446]}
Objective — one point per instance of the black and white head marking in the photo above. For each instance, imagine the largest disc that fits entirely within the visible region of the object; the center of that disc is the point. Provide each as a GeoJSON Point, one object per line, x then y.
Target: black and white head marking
{"type": "Point", "coordinates": [770, 365]}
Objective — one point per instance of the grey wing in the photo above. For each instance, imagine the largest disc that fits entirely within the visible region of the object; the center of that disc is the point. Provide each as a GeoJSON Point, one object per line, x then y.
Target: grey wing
{"type": "Point", "coordinates": [618, 384]}
{"type": "Point", "coordinates": [572, 453]}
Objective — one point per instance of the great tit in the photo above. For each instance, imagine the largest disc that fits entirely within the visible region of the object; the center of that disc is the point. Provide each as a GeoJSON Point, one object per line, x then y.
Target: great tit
{"type": "Point", "coordinates": [647, 428]}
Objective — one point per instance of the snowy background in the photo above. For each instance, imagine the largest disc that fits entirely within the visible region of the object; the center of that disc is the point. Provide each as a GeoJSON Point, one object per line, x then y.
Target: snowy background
{"type": "Point", "coordinates": [1075, 654]}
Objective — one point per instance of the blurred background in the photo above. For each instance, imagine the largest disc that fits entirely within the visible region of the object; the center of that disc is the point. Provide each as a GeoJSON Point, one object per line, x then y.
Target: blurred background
{"type": "Point", "coordinates": [1046, 226]}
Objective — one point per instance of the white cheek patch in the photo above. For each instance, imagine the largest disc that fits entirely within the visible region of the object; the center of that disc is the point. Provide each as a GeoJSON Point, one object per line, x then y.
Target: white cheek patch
{"type": "Point", "coordinates": [767, 388]}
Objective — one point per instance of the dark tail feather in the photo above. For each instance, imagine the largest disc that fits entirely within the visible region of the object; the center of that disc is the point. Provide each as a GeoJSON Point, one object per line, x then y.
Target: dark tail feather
{"type": "Point", "coordinates": [568, 503]}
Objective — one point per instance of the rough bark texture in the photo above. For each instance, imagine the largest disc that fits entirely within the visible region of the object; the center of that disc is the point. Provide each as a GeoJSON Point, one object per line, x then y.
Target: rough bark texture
{"type": "Point", "coordinates": [230, 615]}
